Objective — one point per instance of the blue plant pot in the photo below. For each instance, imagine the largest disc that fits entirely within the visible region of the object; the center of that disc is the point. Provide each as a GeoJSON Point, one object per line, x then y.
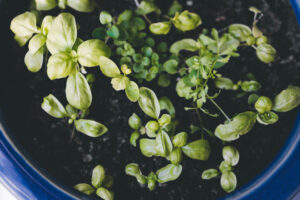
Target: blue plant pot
{"type": "Point", "coordinates": [23, 178]}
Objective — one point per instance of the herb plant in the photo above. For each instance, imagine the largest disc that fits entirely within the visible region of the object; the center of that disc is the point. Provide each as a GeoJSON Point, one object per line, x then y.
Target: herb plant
{"type": "Point", "coordinates": [128, 50]}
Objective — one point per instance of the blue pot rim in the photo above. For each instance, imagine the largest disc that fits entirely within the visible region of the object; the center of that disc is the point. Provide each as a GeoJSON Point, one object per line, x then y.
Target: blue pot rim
{"type": "Point", "coordinates": [280, 181]}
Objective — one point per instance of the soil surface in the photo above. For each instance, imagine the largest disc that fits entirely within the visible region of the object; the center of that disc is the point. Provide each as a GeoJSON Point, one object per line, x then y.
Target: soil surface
{"type": "Point", "coordinates": [47, 139]}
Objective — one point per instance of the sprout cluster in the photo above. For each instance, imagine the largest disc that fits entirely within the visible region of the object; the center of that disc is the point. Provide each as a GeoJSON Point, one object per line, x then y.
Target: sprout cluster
{"type": "Point", "coordinates": [129, 49]}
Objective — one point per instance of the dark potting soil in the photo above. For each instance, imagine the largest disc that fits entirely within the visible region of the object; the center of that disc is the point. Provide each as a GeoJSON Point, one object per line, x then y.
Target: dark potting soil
{"type": "Point", "coordinates": [47, 139]}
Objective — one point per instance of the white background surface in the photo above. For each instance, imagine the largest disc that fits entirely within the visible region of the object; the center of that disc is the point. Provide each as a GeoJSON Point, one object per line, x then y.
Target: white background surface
{"type": "Point", "coordinates": [5, 195]}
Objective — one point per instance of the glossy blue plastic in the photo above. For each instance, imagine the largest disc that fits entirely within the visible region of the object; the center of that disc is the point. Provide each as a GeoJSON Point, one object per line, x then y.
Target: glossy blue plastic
{"type": "Point", "coordinates": [280, 181]}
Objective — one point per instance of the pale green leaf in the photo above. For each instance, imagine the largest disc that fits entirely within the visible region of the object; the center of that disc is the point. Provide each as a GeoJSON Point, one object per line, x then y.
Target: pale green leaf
{"type": "Point", "coordinates": [53, 107]}
{"type": "Point", "coordinates": [132, 91]}
{"type": "Point", "coordinates": [199, 150]}
{"type": "Point", "coordinates": [105, 194]}
{"type": "Point", "coordinates": [228, 181]}
{"type": "Point", "coordinates": [287, 99]}
{"type": "Point", "coordinates": [119, 83]}
{"type": "Point", "coordinates": [62, 34]}
{"type": "Point", "coordinates": [240, 31]}
{"type": "Point", "coordinates": [98, 176]}
{"type": "Point", "coordinates": [82, 5]}
{"type": "Point", "coordinates": [24, 25]}
{"type": "Point", "coordinates": [90, 128]}
{"type": "Point", "coordinates": [184, 44]}
{"type": "Point", "coordinates": [60, 65]}
{"type": "Point", "coordinates": [149, 102]}
{"type": "Point", "coordinates": [90, 51]}
{"type": "Point", "coordinates": [46, 24]}
{"type": "Point", "coordinates": [36, 43]}
{"type": "Point", "coordinates": [148, 147]}
{"type": "Point", "coordinates": [44, 5]}
{"type": "Point", "coordinates": [169, 173]}
{"type": "Point", "coordinates": [164, 144]}
{"type": "Point", "coordinates": [34, 62]}
{"type": "Point", "coordinates": [240, 125]}
{"type": "Point", "coordinates": [84, 188]}
{"type": "Point", "coordinates": [78, 91]}
{"type": "Point", "coordinates": [108, 67]}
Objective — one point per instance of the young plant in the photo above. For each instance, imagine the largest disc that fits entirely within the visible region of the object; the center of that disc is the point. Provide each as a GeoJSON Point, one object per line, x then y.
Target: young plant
{"type": "Point", "coordinates": [163, 144]}
{"type": "Point", "coordinates": [100, 183]}
{"type": "Point", "coordinates": [228, 180]}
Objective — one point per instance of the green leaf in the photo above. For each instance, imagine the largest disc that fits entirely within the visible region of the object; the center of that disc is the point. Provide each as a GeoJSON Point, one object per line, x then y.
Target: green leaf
{"type": "Point", "coordinates": [287, 99]}
{"type": "Point", "coordinates": [175, 156]}
{"type": "Point", "coordinates": [133, 138]}
{"type": "Point", "coordinates": [224, 83]}
{"type": "Point", "coordinates": [225, 167]}
{"type": "Point", "coordinates": [180, 139]}
{"type": "Point", "coordinates": [90, 52]}
{"type": "Point", "coordinates": [166, 104]}
{"type": "Point", "coordinates": [90, 128]}
{"type": "Point", "coordinates": [113, 32]}
{"type": "Point", "coordinates": [240, 125]}
{"type": "Point", "coordinates": [99, 33]}
{"type": "Point", "coordinates": [82, 5]}
{"type": "Point", "coordinates": [182, 89]}
{"type": "Point", "coordinates": [133, 169]}
{"type": "Point", "coordinates": [24, 25]}
{"type": "Point", "coordinates": [134, 121]}
{"type": "Point", "coordinates": [34, 62]}
{"type": "Point", "coordinates": [169, 173]}
{"type": "Point", "coordinates": [62, 34]}
{"type": "Point", "coordinates": [84, 188]}
{"type": "Point", "coordinates": [98, 176]}
{"type": "Point", "coordinates": [132, 91]}
{"type": "Point", "coordinates": [151, 128]}
{"type": "Point", "coordinates": [148, 147]}
{"type": "Point", "coordinates": [22, 40]}
{"type": "Point", "coordinates": [44, 5]}
{"type": "Point", "coordinates": [267, 118]}
{"type": "Point", "coordinates": [61, 65]}
{"type": "Point", "coordinates": [164, 144]}
{"type": "Point", "coordinates": [160, 28]}
{"type": "Point", "coordinates": [78, 91]}
{"type": "Point", "coordinates": [199, 150]}
{"type": "Point", "coordinates": [186, 21]}
{"type": "Point", "coordinates": [108, 67]}
{"type": "Point", "coordinates": [250, 86]}
{"type": "Point", "coordinates": [149, 102]}
{"type": "Point", "coordinates": [37, 43]}
{"type": "Point", "coordinates": [46, 24]}
{"type": "Point", "coordinates": [146, 7]}
{"type": "Point", "coordinates": [263, 104]}
{"type": "Point", "coordinates": [105, 194]}
{"type": "Point", "coordinates": [105, 17]}
{"type": "Point", "coordinates": [240, 31]}
{"type": "Point", "coordinates": [231, 155]}
{"type": "Point", "coordinates": [126, 15]}
{"type": "Point", "coordinates": [171, 66]}
{"type": "Point", "coordinates": [53, 107]}
{"type": "Point", "coordinates": [152, 178]}
{"type": "Point", "coordinates": [184, 44]}
{"type": "Point", "coordinates": [120, 82]}
{"type": "Point", "coordinates": [266, 53]}
{"type": "Point", "coordinates": [228, 181]}
{"type": "Point", "coordinates": [209, 174]}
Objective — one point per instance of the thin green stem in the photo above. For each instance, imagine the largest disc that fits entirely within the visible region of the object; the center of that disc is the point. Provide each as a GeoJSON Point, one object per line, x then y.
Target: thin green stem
{"type": "Point", "coordinates": [220, 109]}
{"type": "Point", "coordinates": [200, 120]}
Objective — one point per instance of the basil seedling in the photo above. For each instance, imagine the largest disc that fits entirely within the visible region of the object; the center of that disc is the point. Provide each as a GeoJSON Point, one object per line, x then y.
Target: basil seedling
{"type": "Point", "coordinates": [100, 184]}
